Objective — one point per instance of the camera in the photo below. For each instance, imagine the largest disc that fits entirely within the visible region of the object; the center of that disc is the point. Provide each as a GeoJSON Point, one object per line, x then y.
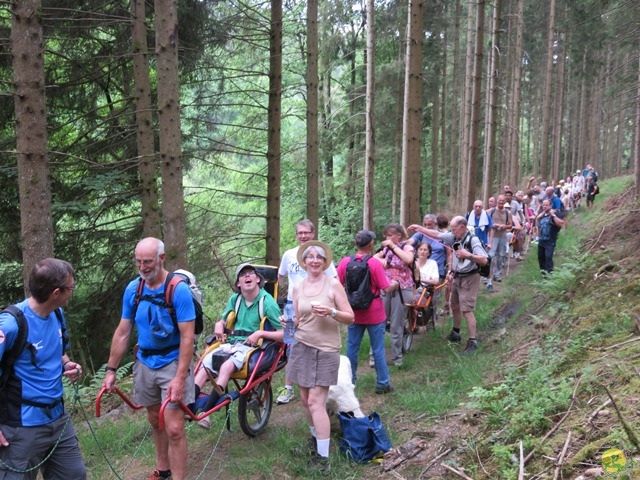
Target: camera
{"type": "Point", "coordinates": [456, 246]}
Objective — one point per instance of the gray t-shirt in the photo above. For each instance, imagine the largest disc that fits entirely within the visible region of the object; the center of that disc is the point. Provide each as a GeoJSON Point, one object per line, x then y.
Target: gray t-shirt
{"type": "Point", "coordinates": [466, 265]}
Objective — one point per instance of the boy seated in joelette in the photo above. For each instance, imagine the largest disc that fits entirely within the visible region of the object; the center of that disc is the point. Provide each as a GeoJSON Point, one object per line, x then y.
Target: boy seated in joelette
{"type": "Point", "coordinates": [249, 303]}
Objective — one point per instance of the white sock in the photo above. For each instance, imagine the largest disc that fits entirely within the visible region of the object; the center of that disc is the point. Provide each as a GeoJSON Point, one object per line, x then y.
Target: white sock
{"type": "Point", "coordinates": [313, 432]}
{"type": "Point", "coordinates": [323, 447]}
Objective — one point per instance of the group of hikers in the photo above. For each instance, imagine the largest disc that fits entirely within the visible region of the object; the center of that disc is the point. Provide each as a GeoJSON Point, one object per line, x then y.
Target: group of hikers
{"type": "Point", "coordinates": [369, 291]}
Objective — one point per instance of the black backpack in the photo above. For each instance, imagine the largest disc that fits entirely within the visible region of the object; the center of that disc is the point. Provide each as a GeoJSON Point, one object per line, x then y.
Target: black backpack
{"type": "Point", "coordinates": [483, 270]}
{"type": "Point", "coordinates": [10, 392]}
{"type": "Point", "coordinates": [165, 300]}
{"type": "Point", "coordinates": [357, 283]}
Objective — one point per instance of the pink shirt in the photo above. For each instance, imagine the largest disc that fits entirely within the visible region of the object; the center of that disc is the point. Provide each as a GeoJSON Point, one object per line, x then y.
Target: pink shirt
{"type": "Point", "coordinates": [375, 313]}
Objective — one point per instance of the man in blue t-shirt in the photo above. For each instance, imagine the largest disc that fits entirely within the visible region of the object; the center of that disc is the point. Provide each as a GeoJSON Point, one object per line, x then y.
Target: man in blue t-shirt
{"type": "Point", "coordinates": [438, 250]}
{"type": "Point", "coordinates": [549, 223]}
{"type": "Point", "coordinates": [163, 367]}
{"type": "Point", "coordinates": [482, 224]}
{"type": "Point", "coordinates": [34, 426]}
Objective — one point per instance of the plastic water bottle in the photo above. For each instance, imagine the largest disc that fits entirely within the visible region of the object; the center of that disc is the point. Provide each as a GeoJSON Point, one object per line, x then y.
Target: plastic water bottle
{"type": "Point", "coordinates": [289, 329]}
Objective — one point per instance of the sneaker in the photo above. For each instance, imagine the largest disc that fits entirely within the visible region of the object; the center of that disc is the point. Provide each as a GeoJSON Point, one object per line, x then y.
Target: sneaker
{"type": "Point", "coordinates": [520, 259]}
{"type": "Point", "coordinates": [372, 362]}
{"type": "Point", "coordinates": [205, 423]}
{"type": "Point", "coordinates": [472, 346]}
{"type": "Point", "coordinates": [497, 278]}
{"type": "Point", "coordinates": [454, 337]}
{"type": "Point", "coordinates": [286, 395]}
{"type": "Point", "coordinates": [396, 362]}
{"type": "Point", "coordinates": [386, 389]}
{"type": "Point", "coordinates": [490, 288]}
{"type": "Point", "coordinates": [320, 465]}
{"type": "Point", "coordinates": [156, 474]}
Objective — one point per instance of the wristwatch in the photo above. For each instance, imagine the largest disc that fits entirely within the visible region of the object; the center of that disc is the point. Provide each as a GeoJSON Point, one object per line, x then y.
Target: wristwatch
{"type": "Point", "coordinates": [334, 312]}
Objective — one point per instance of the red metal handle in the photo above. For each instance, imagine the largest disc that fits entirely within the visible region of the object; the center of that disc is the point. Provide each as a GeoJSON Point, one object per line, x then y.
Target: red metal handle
{"type": "Point", "coordinates": [126, 400]}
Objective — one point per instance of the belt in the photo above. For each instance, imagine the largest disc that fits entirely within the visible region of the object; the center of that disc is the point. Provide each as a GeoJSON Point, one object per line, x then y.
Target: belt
{"type": "Point", "coordinates": [458, 274]}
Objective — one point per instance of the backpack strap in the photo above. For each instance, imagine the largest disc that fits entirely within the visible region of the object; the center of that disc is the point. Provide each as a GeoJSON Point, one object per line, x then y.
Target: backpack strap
{"type": "Point", "coordinates": [170, 285]}
{"type": "Point", "coordinates": [11, 355]}
{"type": "Point", "coordinates": [236, 309]}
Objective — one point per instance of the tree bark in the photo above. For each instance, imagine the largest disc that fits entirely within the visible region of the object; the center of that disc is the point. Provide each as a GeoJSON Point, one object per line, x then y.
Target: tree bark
{"type": "Point", "coordinates": [513, 125]}
{"type": "Point", "coordinates": [475, 107]}
{"type": "Point", "coordinates": [27, 48]}
{"type": "Point", "coordinates": [313, 180]}
{"type": "Point", "coordinates": [272, 248]}
{"type": "Point", "coordinates": [546, 106]}
{"type": "Point", "coordinates": [636, 156]}
{"type": "Point", "coordinates": [370, 149]}
{"type": "Point", "coordinates": [492, 108]}
{"type": "Point", "coordinates": [173, 211]}
{"type": "Point", "coordinates": [410, 191]}
{"type": "Point", "coordinates": [150, 211]}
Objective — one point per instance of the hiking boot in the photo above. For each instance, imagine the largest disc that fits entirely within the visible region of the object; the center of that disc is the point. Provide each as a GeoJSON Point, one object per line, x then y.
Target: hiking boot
{"type": "Point", "coordinates": [497, 278]}
{"type": "Point", "coordinates": [520, 259]}
{"type": "Point", "coordinates": [454, 337]}
{"type": "Point", "coordinates": [156, 474]}
{"type": "Point", "coordinates": [490, 288]}
{"type": "Point", "coordinates": [372, 362]}
{"type": "Point", "coordinates": [384, 390]}
{"type": "Point", "coordinates": [472, 346]}
{"type": "Point", "coordinates": [309, 448]}
{"type": "Point", "coordinates": [320, 465]}
{"type": "Point", "coordinates": [285, 395]}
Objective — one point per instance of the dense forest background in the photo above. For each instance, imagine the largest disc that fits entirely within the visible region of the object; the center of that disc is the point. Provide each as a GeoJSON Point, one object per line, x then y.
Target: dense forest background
{"type": "Point", "coordinates": [219, 124]}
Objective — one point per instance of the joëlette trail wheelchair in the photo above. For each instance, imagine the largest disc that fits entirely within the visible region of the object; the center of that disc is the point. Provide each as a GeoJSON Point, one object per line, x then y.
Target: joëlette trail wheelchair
{"type": "Point", "coordinates": [251, 385]}
{"type": "Point", "coordinates": [421, 312]}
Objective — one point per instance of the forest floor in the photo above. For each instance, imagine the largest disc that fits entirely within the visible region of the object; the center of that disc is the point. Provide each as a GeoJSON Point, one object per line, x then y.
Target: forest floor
{"type": "Point", "coordinates": [556, 376]}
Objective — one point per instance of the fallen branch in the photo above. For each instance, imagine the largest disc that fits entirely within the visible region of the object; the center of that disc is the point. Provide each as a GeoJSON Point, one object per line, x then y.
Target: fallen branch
{"type": "Point", "coordinates": [558, 469]}
{"type": "Point", "coordinates": [397, 475]}
{"type": "Point", "coordinates": [622, 343]}
{"type": "Point", "coordinates": [597, 240]}
{"type": "Point", "coordinates": [557, 425]}
{"type": "Point", "coordinates": [400, 454]}
{"type": "Point", "coordinates": [521, 469]}
{"type": "Point", "coordinates": [457, 472]}
{"type": "Point", "coordinates": [628, 430]}
{"type": "Point", "coordinates": [432, 462]}
{"type": "Point", "coordinates": [597, 410]}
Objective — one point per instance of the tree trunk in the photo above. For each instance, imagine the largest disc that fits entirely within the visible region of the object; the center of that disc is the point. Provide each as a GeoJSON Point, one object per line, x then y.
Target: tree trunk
{"type": "Point", "coordinates": [272, 250]}
{"type": "Point", "coordinates": [514, 110]}
{"type": "Point", "coordinates": [367, 210]}
{"type": "Point", "coordinates": [636, 146]}
{"type": "Point", "coordinates": [546, 106]}
{"type": "Point", "coordinates": [456, 112]}
{"type": "Point", "coordinates": [465, 119]}
{"type": "Point", "coordinates": [150, 211]}
{"type": "Point", "coordinates": [557, 129]}
{"type": "Point", "coordinates": [27, 48]}
{"type": "Point", "coordinates": [492, 108]}
{"type": "Point", "coordinates": [173, 211]}
{"type": "Point", "coordinates": [410, 191]}
{"type": "Point", "coordinates": [313, 184]}
{"type": "Point", "coordinates": [475, 108]}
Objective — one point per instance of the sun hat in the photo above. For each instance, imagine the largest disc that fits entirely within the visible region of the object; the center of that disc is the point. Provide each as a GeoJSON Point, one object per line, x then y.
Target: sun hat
{"type": "Point", "coordinates": [364, 238]}
{"type": "Point", "coordinates": [315, 243]}
{"type": "Point", "coordinates": [245, 266]}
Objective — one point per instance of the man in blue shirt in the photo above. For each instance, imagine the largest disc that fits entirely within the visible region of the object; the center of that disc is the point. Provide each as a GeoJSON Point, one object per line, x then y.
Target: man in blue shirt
{"type": "Point", "coordinates": [163, 367]}
{"type": "Point", "coordinates": [549, 222]}
{"type": "Point", "coordinates": [482, 224]}
{"type": "Point", "coordinates": [33, 422]}
{"type": "Point", "coordinates": [438, 250]}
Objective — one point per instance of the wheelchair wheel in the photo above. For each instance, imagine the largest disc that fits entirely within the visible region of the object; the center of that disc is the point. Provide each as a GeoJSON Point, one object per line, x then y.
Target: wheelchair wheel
{"type": "Point", "coordinates": [407, 337]}
{"type": "Point", "coordinates": [254, 409]}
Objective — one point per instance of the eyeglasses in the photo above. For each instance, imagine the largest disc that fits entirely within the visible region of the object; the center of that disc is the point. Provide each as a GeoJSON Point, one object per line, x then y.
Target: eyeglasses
{"type": "Point", "coordinates": [311, 257]}
{"type": "Point", "coordinates": [71, 288]}
{"type": "Point", "coordinates": [246, 273]}
{"type": "Point", "coordinates": [147, 262]}
{"type": "Point", "coordinates": [304, 233]}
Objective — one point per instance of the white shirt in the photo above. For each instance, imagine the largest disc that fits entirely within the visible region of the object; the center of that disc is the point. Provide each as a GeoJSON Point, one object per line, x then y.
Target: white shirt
{"type": "Point", "coordinates": [429, 271]}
